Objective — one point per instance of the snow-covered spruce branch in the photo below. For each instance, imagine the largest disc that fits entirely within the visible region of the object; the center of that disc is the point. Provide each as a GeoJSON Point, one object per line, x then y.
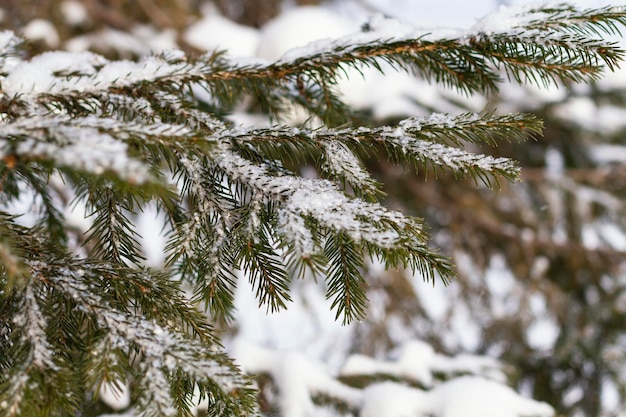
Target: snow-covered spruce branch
{"type": "Point", "coordinates": [423, 140]}
{"type": "Point", "coordinates": [201, 247]}
{"type": "Point", "coordinates": [527, 50]}
{"type": "Point", "coordinates": [546, 60]}
{"type": "Point", "coordinates": [168, 359]}
{"type": "Point", "coordinates": [414, 383]}
{"type": "Point", "coordinates": [237, 225]}
{"type": "Point", "coordinates": [327, 214]}
{"type": "Point", "coordinates": [62, 142]}
{"type": "Point", "coordinates": [564, 17]}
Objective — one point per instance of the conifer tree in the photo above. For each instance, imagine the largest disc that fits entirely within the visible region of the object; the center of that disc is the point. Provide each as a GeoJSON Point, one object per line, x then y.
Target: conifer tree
{"type": "Point", "coordinates": [80, 310]}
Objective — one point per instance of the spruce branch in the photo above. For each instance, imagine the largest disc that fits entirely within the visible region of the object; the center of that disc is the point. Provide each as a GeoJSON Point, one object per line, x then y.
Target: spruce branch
{"type": "Point", "coordinates": [565, 58]}
{"type": "Point", "coordinates": [199, 248]}
{"type": "Point", "coordinates": [529, 52]}
{"type": "Point", "coordinates": [346, 286]}
{"type": "Point", "coordinates": [164, 355]}
{"type": "Point", "coordinates": [564, 17]}
{"type": "Point", "coordinates": [421, 140]}
{"type": "Point", "coordinates": [340, 162]}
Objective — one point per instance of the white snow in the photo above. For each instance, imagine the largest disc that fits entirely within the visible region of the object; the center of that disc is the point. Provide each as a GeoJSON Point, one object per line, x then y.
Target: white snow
{"type": "Point", "coordinates": [115, 394]}
{"type": "Point", "coordinates": [84, 148]}
{"type": "Point", "coordinates": [142, 41]}
{"type": "Point", "coordinates": [50, 73]}
{"type": "Point", "coordinates": [319, 199]}
{"type": "Point", "coordinates": [417, 362]}
{"type": "Point", "coordinates": [478, 397]}
{"type": "Point", "coordinates": [460, 397]}
{"type": "Point", "coordinates": [298, 378]}
{"type": "Point", "coordinates": [451, 13]}
{"type": "Point", "coordinates": [298, 27]}
{"type": "Point", "coordinates": [389, 399]}
{"type": "Point", "coordinates": [42, 30]}
{"type": "Point", "coordinates": [7, 40]}
{"type": "Point", "coordinates": [74, 12]}
{"type": "Point", "coordinates": [606, 153]}
{"type": "Point", "coordinates": [214, 31]}
{"type": "Point", "coordinates": [152, 239]}
{"type": "Point", "coordinates": [33, 325]}
{"type": "Point", "coordinates": [542, 334]}
{"type": "Point", "coordinates": [584, 113]}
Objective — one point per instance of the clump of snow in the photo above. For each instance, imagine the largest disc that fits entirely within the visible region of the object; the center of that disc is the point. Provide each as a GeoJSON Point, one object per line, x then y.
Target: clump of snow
{"type": "Point", "coordinates": [37, 75]}
{"type": "Point", "coordinates": [447, 12]}
{"type": "Point", "coordinates": [606, 154]}
{"type": "Point", "coordinates": [115, 394]}
{"type": "Point", "coordinates": [613, 235]}
{"type": "Point", "coordinates": [214, 31]}
{"type": "Point", "coordinates": [7, 40]}
{"type": "Point", "coordinates": [506, 19]}
{"type": "Point", "coordinates": [299, 378]}
{"type": "Point", "coordinates": [460, 397]}
{"type": "Point", "coordinates": [8, 50]}
{"type": "Point", "coordinates": [417, 361]}
{"type": "Point", "coordinates": [477, 397]}
{"type": "Point", "coordinates": [51, 72]}
{"type": "Point", "coordinates": [299, 26]}
{"type": "Point", "coordinates": [84, 148]}
{"type": "Point", "coordinates": [153, 242]}
{"type": "Point", "coordinates": [142, 41]}
{"type": "Point", "coordinates": [542, 334]}
{"type": "Point", "coordinates": [530, 97]}
{"type": "Point", "coordinates": [156, 40]}
{"type": "Point", "coordinates": [583, 112]}
{"type": "Point", "coordinates": [389, 399]}
{"type": "Point", "coordinates": [613, 80]}
{"type": "Point", "coordinates": [74, 12]}
{"type": "Point", "coordinates": [414, 363]}
{"type": "Point", "coordinates": [42, 30]}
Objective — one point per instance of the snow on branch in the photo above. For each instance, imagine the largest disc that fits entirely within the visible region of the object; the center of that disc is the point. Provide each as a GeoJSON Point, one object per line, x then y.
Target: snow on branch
{"type": "Point", "coordinates": [32, 325]}
{"type": "Point", "coordinates": [563, 17]}
{"type": "Point", "coordinates": [417, 362]}
{"type": "Point", "coordinates": [353, 228]}
{"type": "Point", "coordinates": [322, 201]}
{"type": "Point", "coordinates": [307, 386]}
{"type": "Point", "coordinates": [60, 72]}
{"type": "Point", "coordinates": [64, 142]}
{"type": "Point", "coordinates": [421, 139]}
{"type": "Point", "coordinates": [514, 38]}
{"type": "Point", "coordinates": [168, 357]}
{"type": "Point", "coordinates": [527, 47]}
{"type": "Point", "coordinates": [341, 162]}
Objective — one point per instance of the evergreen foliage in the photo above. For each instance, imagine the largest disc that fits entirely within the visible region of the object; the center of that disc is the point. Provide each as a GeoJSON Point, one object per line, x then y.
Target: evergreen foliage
{"type": "Point", "coordinates": [78, 310]}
